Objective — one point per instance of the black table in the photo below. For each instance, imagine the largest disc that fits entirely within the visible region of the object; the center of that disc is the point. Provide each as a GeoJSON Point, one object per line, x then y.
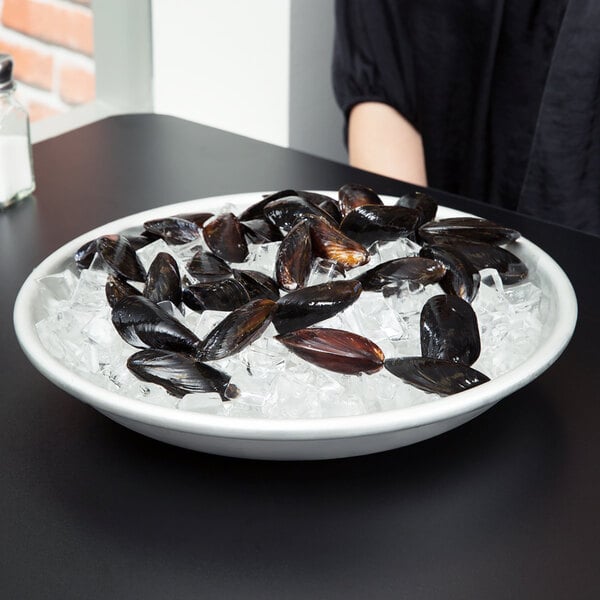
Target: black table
{"type": "Point", "coordinates": [505, 506]}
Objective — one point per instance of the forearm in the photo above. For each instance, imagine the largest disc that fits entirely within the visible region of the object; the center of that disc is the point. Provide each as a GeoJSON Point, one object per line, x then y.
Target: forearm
{"type": "Point", "coordinates": [381, 140]}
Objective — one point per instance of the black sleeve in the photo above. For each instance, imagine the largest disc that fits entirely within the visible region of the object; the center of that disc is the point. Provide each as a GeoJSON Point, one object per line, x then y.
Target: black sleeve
{"type": "Point", "coordinates": [372, 58]}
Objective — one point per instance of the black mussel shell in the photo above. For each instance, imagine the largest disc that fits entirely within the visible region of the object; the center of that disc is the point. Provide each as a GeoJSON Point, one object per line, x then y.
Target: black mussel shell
{"type": "Point", "coordinates": [116, 289]}
{"type": "Point", "coordinates": [421, 202]}
{"type": "Point", "coordinates": [224, 235]}
{"type": "Point", "coordinates": [225, 294]}
{"type": "Point", "coordinates": [258, 285]}
{"type": "Point", "coordinates": [332, 209]}
{"type": "Point", "coordinates": [120, 257]}
{"type": "Point", "coordinates": [466, 229]}
{"type": "Point", "coordinates": [143, 324]}
{"type": "Point", "coordinates": [353, 195]}
{"type": "Point", "coordinates": [163, 282]}
{"type": "Point", "coordinates": [178, 373]}
{"type": "Point", "coordinates": [415, 269]}
{"type": "Point", "coordinates": [174, 230]}
{"type": "Point", "coordinates": [330, 243]}
{"type": "Point", "coordinates": [310, 305]}
{"type": "Point", "coordinates": [449, 330]}
{"type": "Point", "coordinates": [435, 376]}
{"type": "Point", "coordinates": [139, 241]}
{"type": "Point", "coordinates": [314, 197]}
{"type": "Point", "coordinates": [461, 279]}
{"type": "Point", "coordinates": [283, 213]}
{"type": "Point", "coordinates": [205, 266]}
{"type": "Point", "coordinates": [335, 350]}
{"type": "Point", "coordinates": [261, 231]}
{"type": "Point", "coordinates": [294, 257]}
{"type": "Point", "coordinates": [198, 218]}
{"type": "Point", "coordinates": [370, 223]}
{"type": "Point", "coordinates": [255, 211]}
{"type": "Point", "coordinates": [237, 330]}
{"type": "Point", "coordinates": [485, 256]}
{"type": "Point", "coordinates": [85, 255]}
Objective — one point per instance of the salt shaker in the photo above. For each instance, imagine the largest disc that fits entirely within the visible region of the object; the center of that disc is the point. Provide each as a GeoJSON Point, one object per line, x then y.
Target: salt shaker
{"type": "Point", "coordinates": [16, 164]}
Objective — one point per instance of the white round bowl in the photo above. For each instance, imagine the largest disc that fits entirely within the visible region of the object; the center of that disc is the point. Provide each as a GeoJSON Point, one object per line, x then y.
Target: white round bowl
{"type": "Point", "coordinates": [294, 439]}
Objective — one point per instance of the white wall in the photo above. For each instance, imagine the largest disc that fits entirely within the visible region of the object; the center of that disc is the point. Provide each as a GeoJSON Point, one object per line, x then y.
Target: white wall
{"type": "Point", "coordinates": [224, 63]}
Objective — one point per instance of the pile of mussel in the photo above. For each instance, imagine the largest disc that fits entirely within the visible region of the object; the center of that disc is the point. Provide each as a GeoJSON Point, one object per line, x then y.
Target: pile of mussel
{"type": "Point", "coordinates": [307, 226]}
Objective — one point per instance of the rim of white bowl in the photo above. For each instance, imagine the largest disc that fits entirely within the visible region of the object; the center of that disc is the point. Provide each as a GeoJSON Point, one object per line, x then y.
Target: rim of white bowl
{"type": "Point", "coordinates": [442, 409]}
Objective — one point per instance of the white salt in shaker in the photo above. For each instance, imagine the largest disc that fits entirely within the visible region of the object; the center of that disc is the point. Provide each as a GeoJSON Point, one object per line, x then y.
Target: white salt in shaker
{"type": "Point", "coordinates": [16, 165]}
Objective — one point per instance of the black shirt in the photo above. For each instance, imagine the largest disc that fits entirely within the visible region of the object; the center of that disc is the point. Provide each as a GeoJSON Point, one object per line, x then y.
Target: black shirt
{"type": "Point", "coordinates": [505, 94]}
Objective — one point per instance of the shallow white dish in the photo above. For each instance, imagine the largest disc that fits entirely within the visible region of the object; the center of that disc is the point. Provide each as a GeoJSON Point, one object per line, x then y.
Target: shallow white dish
{"type": "Point", "coordinates": [299, 439]}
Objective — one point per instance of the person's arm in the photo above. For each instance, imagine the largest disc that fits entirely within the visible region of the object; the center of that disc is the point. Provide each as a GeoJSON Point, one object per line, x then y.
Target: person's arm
{"type": "Point", "coordinates": [381, 140]}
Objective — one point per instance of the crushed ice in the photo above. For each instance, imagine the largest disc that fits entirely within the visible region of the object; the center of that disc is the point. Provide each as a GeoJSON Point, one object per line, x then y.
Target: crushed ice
{"type": "Point", "coordinates": [274, 383]}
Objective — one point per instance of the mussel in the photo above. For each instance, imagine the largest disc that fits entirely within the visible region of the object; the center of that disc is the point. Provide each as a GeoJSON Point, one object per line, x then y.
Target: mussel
{"type": "Point", "coordinates": [466, 229]}
{"type": "Point", "coordinates": [309, 305]}
{"type": "Point", "coordinates": [174, 230]}
{"type": "Point", "coordinates": [330, 243]}
{"type": "Point", "coordinates": [255, 211]}
{"type": "Point", "coordinates": [449, 330]}
{"type": "Point", "coordinates": [416, 269]}
{"type": "Point", "coordinates": [120, 257]}
{"type": "Point", "coordinates": [423, 203]}
{"type": "Point", "coordinates": [370, 223]}
{"type": "Point", "coordinates": [352, 195]}
{"type": "Point", "coordinates": [225, 294]}
{"type": "Point", "coordinates": [163, 282]}
{"type": "Point", "coordinates": [143, 324]}
{"type": "Point", "coordinates": [461, 279]}
{"type": "Point", "coordinates": [258, 285]}
{"type": "Point", "coordinates": [116, 289]}
{"type": "Point", "coordinates": [205, 266]}
{"type": "Point", "coordinates": [283, 213]}
{"type": "Point", "coordinates": [335, 349]}
{"type": "Point", "coordinates": [435, 376]}
{"type": "Point", "coordinates": [237, 330]}
{"type": "Point", "coordinates": [179, 374]}
{"type": "Point", "coordinates": [260, 231]}
{"type": "Point", "coordinates": [224, 235]}
{"type": "Point", "coordinates": [294, 257]}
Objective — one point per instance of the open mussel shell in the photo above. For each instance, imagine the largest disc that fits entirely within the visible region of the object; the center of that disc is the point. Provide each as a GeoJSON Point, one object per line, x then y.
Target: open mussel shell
{"type": "Point", "coordinates": [225, 294]}
{"type": "Point", "coordinates": [353, 195]}
{"type": "Point", "coordinates": [309, 305]}
{"type": "Point", "coordinates": [173, 230]}
{"type": "Point", "coordinates": [435, 376]}
{"type": "Point", "coordinates": [330, 243]}
{"type": "Point", "coordinates": [116, 289]}
{"type": "Point", "coordinates": [423, 203]}
{"type": "Point", "coordinates": [120, 257]}
{"type": "Point", "coordinates": [294, 257]}
{"type": "Point", "coordinates": [283, 213]}
{"type": "Point", "coordinates": [178, 373]}
{"type": "Point", "coordinates": [205, 266]}
{"type": "Point", "coordinates": [449, 330]}
{"type": "Point", "coordinates": [466, 229]}
{"type": "Point", "coordinates": [163, 282]}
{"type": "Point", "coordinates": [370, 223]}
{"type": "Point", "coordinates": [485, 256]}
{"type": "Point", "coordinates": [224, 235]}
{"type": "Point", "coordinates": [258, 285]}
{"type": "Point", "coordinates": [415, 269]}
{"type": "Point", "coordinates": [461, 278]}
{"type": "Point", "coordinates": [335, 350]}
{"type": "Point", "coordinates": [143, 324]}
{"type": "Point", "coordinates": [237, 330]}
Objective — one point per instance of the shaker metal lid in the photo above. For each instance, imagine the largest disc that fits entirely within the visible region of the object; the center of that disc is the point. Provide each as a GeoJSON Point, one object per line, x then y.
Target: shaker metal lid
{"type": "Point", "coordinates": [6, 69]}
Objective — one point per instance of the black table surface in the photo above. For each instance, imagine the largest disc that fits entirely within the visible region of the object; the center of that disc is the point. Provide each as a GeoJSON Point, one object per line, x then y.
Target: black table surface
{"type": "Point", "coordinates": [506, 506]}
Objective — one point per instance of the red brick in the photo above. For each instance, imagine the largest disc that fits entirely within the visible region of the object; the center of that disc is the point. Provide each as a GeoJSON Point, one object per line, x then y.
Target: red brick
{"type": "Point", "coordinates": [71, 27]}
{"type": "Point", "coordinates": [30, 65]}
{"type": "Point", "coordinates": [77, 85]}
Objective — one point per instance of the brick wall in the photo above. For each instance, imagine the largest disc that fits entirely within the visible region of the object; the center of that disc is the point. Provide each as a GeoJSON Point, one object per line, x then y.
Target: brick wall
{"type": "Point", "coordinates": [52, 44]}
